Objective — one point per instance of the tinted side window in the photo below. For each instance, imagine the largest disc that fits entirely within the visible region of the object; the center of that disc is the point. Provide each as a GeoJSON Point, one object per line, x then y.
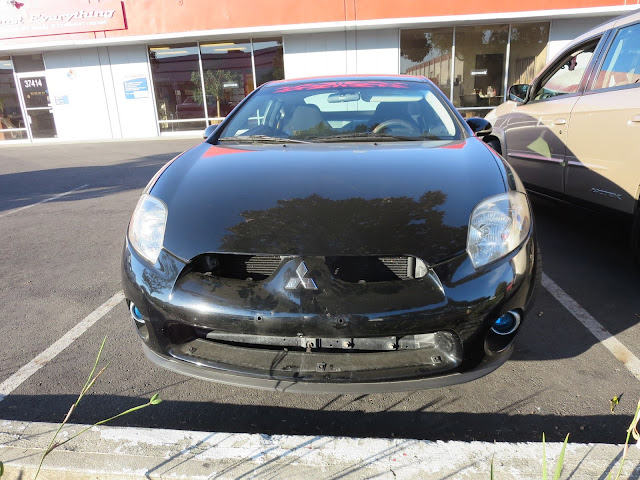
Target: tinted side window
{"type": "Point", "coordinates": [622, 63]}
{"type": "Point", "coordinates": [568, 73]}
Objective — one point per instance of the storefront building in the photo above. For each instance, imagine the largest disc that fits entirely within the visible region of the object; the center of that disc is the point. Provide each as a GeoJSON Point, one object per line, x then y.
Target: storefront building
{"type": "Point", "coordinates": [108, 69]}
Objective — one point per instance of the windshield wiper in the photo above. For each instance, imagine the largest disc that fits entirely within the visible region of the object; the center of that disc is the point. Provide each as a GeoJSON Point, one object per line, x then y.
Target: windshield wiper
{"type": "Point", "coordinates": [365, 137]}
{"type": "Point", "coordinates": [260, 138]}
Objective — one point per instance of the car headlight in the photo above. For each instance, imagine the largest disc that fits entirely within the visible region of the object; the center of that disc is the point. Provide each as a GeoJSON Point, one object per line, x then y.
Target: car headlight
{"type": "Point", "coordinates": [146, 230]}
{"type": "Point", "coordinates": [497, 226]}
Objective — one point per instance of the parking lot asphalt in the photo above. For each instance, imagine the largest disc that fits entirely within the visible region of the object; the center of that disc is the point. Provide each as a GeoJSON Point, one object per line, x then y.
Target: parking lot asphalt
{"type": "Point", "coordinates": [59, 261]}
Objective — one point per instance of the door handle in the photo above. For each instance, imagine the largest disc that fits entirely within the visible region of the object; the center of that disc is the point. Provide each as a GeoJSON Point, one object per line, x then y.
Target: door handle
{"type": "Point", "coordinates": [559, 121]}
{"type": "Point", "coordinates": [635, 119]}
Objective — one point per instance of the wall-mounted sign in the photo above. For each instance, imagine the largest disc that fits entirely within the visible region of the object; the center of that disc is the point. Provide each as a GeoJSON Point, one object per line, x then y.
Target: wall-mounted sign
{"type": "Point", "coordinates": [477, 73]}
{"type": "Point", "coordinates": [63, 100]}
{"type": "Point", "coordinates": [136, 88]}
{"type": "Point", "coordinates": [55, 18]}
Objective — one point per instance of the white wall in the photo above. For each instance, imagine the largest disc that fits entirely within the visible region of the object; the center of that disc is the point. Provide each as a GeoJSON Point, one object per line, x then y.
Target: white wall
{"type": "Point", "coordinates": [378, 51]}
{"type": "Point", "coordinates": [93, 82]}
{"type": "Point", "coordinates": [342, 52]}
{"type": "Point", "coordinates": [315, 54]}
{"type": "Point", "coordinates": [563, 31]}
{"type": "Point", "coordinates": [75, 76]}
{"type": "Point", "coordinates": [135, 116]}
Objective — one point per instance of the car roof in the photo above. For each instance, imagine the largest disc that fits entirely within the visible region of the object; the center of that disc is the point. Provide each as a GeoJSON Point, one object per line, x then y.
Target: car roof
{"type": "Point", "coordinates": [345, 78]}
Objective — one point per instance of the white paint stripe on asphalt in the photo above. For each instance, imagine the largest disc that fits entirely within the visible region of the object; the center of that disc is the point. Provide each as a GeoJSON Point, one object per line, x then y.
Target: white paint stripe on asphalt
{"type": "Point", "coordinates": [15, 380]}
{"type": "Point", "coordinates": [50, 199]}
{"type": "Point", "coordinates": [611, 343]}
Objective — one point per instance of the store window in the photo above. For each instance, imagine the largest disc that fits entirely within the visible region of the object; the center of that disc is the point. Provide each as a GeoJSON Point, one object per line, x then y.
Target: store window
{"type": "Point", "coordinates": [478, 53]}
{"type": "Point", "coordinates": [12, 125]}
{"type": "Point", "coordinates": [268, 59]}
{"type": "Point", "coordinates": [28, 63]}
{"type": "Point", "coordinates": [480, 66]}
{"type": "Point", "coordinates": [227, 71]}
{"type": "Point", "coordinates": [528, 51]}
{"type": "Point", "coordinates": [428, 53]}
{"type": "Point", "coordinates": [175, 71]}
{"type": "Point", "coordinates": [228, 76]}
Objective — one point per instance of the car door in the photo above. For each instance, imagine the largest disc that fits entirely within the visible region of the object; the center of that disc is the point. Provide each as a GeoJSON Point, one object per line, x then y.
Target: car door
{"type": "Point", "coordinates": [536, 131]}
{"type": "Point", "coordinates": [602, 149]}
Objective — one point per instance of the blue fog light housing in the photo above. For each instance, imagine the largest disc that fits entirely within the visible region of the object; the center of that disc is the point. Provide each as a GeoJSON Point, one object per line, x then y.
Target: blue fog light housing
{"type": "Point", "coordinates": [507, 323]}
{"type": "Point", "coordinates": [135, 313]}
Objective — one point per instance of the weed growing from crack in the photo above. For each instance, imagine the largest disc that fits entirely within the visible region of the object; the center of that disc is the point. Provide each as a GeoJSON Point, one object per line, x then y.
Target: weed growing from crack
{"type": "Point", "coordinates": [91, 380]}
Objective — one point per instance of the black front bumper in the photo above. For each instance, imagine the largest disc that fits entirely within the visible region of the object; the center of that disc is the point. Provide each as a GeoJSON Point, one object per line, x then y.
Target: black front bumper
{"type": "Point", "coordinates": [231, 378]}
{"type": "Point", "coordinates": [186, 315]}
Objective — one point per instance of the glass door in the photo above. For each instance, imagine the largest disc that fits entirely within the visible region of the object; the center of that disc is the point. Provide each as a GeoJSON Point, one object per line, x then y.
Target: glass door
{"type": "Point", "coordinates": [37, 102]}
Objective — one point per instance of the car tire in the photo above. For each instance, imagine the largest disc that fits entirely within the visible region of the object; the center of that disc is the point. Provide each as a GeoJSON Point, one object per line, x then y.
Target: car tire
{"type": "Point", "coordinates": [635, 238]}
{"type": "Point", "coordinates": [537, 278]}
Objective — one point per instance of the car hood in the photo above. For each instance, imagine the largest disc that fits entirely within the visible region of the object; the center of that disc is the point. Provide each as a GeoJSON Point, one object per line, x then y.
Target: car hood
{"type": "Point", "coordinates": [396, 198]}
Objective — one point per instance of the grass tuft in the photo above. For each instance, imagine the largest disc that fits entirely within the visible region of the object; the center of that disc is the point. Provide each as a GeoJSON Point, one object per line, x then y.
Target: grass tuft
{"type": "Point", "coordinates": [91, 380]}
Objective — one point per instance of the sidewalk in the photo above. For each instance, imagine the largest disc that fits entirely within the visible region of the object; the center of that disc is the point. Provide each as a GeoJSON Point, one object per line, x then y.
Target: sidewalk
{"type": "Point", "coordinates": [130, 453]}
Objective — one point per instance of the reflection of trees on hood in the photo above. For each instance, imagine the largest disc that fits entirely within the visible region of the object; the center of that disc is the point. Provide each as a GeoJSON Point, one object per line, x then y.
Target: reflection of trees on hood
{"type": "Point", "coordinates": [356, 226]}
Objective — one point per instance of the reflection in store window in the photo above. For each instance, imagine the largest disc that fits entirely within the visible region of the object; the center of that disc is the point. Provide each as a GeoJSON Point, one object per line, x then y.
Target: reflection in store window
{"type": "Point", "coordinates": [28, 63]}
{"type": "Point", "coordinates": [528, 51]}
{"type": "Point", "coordinates": [228, 76]}
{"type": "Point", "coordinates": [268, 59]}
{"type": "Point", "coordinates": [12, 126]}
{"type": "Point", "coordinates": [224, 68]}
{"type": "Point", "coordinates": [172, 71]}
{"type": "Point", "coordinates": [428, 53]}
{"type": "Point", "coordinates": [480, 68]}
{"type": "Point", "coordinates": [182, 126]}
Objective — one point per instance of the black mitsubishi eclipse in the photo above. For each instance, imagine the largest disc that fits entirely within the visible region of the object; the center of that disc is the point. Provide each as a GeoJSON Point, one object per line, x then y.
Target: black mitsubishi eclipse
{"type": "Point", "coordinates": [348, 234]}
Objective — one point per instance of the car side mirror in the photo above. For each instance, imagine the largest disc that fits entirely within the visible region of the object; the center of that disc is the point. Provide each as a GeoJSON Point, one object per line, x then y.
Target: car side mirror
{"type": "Point", "coordinates": [480, 126]}
{"type": "Point", "coordinates": [209, 130]}
{"type": "Point", "coordinates": [518, 93]}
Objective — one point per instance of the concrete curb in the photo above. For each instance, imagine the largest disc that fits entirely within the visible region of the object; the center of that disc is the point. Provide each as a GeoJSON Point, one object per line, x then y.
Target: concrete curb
{"type": "Point", "coordinates": [128, 453]}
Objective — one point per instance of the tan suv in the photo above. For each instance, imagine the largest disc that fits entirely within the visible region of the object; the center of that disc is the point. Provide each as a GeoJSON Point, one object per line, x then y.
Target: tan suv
{"type": "Point", "coordinates": [575, 131]}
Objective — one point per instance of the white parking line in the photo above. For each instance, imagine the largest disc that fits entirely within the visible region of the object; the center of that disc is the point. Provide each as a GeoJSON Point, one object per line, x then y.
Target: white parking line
{"type": "Point", "coordinates": [611, 343]}
{"type": "Point", "coordinates": [15, 380]}
{"type": "Point", "coordinates": [11, 212]}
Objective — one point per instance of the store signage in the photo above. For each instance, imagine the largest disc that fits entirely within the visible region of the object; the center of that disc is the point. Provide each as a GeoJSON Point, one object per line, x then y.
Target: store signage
{"type": "Point", "coordinates": [68, 16]}
{"type": "Point", "coordinates": [136, 88]}
{"type": "Point", "coordinates": [478, 73]}
{"type": "Point", "coordinates": [63, 100]}
{"type": "Point", "coordinates": [32, 82]}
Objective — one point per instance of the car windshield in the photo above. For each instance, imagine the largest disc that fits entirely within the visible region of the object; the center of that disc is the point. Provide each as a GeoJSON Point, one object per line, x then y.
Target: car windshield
{"type": "Point", "coordinates": [337, 111]}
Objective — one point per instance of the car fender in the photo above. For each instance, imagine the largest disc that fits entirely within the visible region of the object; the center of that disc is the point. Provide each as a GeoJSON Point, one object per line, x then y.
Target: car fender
{"type": "Point", "coordinates": [498, 134]}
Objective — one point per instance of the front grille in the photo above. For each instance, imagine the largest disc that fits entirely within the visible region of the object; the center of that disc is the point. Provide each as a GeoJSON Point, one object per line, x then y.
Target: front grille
{"type": "Point", "coordinates": [256, 267]}
{"type": "Point", "coordinates": [369, 269]}
{"type": "Point", "coordinates": [352, 269]}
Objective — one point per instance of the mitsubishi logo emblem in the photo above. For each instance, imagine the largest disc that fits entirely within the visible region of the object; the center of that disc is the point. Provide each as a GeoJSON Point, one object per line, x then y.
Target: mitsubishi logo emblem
{"type": "Point", "coordinates": [299, 279]}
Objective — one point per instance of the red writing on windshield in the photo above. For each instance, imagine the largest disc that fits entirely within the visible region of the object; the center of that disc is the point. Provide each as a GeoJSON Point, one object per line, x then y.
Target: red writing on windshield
{"type": "Point", "coordinates": [348, 83]}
